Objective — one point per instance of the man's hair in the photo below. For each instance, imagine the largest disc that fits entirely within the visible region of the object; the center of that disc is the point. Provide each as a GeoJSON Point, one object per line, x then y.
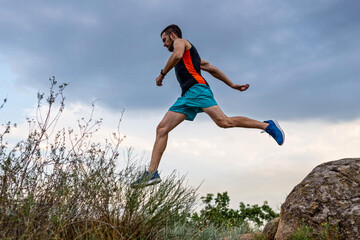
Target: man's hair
{"type": "Point", "coordinates": [172, 28]}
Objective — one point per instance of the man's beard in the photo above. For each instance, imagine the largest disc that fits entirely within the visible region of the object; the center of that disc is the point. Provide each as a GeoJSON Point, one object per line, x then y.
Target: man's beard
{"type": "Point", "coordinates": [171, 48]}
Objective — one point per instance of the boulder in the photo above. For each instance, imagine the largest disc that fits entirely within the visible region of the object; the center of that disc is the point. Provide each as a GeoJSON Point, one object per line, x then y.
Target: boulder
{"type": "Point", "coordinates": [329, 194]}
{"type": "Point", "coordinates": [271, 228]}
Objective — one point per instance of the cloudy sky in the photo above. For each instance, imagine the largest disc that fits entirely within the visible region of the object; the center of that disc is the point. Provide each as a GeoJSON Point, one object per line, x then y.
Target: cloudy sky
{"type": "Point", "coordinates": [301, 59]}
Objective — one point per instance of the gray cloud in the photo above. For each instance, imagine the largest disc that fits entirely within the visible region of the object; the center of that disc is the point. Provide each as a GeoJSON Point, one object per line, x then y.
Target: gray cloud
{"type": "Point", "coordinates": [301, 58]}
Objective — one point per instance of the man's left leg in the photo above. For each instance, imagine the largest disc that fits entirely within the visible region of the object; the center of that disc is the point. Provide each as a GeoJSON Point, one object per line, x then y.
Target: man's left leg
{"type": "Point", "coordinates": [169, 122]}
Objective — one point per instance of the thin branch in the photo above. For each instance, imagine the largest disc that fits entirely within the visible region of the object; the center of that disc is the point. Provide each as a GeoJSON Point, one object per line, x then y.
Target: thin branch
{"type": "Point", "coordinates": [4, 101]}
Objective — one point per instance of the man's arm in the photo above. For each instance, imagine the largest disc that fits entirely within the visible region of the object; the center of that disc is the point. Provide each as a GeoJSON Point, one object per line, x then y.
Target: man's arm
{"type": "Point", "coordinates": [179, 49]}
{"type": "Point", "coordinates": [217, 73]}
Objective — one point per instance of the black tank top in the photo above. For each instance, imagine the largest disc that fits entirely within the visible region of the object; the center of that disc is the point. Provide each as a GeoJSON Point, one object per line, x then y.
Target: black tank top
{"type": "Point", "coordinates": [188, 71]}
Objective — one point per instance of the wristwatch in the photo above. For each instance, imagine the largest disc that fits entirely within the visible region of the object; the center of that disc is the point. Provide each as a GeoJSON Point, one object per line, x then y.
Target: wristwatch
{"type": "Point", "coordinates": [161, 72]}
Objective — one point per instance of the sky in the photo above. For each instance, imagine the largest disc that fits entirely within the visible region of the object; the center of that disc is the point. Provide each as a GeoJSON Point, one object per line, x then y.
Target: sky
{"type": "Point", "coordinates": [301, 59]}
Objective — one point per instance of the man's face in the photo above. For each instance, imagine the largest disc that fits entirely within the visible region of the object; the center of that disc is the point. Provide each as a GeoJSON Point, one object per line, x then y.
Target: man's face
{"type": "Point", "coordinates": [168, 42]}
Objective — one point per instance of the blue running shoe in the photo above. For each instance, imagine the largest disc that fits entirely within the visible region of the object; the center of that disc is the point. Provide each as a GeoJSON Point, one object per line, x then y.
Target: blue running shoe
{"type": "Point", "coordinates": [147, 179]}
{"type": "Point", "coordinates": [275, 131]}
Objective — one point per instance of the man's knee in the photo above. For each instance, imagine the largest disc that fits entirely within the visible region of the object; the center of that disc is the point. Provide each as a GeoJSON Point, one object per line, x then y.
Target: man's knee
{"type": "Point", "coordinates": [224, 122]}
{"type": "Point", "coordinates": [161, 130]}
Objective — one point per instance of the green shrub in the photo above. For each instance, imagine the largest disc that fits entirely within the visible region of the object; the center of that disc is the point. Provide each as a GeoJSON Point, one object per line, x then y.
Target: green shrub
{"type": "Point", "coordinates": [216, 211]}
{"type": "Point", "coordinates": [328, 231]}
{"type": "Point", "coordinates": [210, 232]}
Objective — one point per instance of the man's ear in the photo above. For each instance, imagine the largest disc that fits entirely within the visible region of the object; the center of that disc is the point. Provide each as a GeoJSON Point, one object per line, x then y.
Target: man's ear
{"type": "Point", "coordinates": [172, 36]}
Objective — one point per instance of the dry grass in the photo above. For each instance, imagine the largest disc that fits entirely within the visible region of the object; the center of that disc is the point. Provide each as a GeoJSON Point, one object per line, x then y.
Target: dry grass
{"type": "Point", "coordinates": [63, 186]}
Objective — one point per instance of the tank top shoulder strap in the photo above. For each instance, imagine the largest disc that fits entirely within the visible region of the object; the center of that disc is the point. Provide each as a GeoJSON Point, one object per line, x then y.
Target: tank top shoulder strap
{"type": "Point", "coordinates": [191, 45]}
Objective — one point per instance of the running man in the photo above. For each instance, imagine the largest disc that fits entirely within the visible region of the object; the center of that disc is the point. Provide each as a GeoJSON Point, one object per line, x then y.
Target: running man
{"type": "Point", "coordinates": [196, 97]}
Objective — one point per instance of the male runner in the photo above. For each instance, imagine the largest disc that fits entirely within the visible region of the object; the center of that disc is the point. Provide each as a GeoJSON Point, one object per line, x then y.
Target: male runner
{"type": "Point", "coordinates": [196, 97]}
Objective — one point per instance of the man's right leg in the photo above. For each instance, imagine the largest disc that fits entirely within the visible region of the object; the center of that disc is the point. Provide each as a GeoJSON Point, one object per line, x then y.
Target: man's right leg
{"type": "Point", "coordinates": [169, 122]}
{"type": "Point", "coordinates": [271, 127]}
{"type": "Point", "coordinates": [228, 122]}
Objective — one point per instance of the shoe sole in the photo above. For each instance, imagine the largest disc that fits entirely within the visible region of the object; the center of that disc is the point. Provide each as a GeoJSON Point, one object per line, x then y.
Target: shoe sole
{"type": "Point", "coordinates": [149, 183]}
{"type": "Point", "coordinates": [283, 134]}
{"type": "Point", "coordinates": [153, 182]}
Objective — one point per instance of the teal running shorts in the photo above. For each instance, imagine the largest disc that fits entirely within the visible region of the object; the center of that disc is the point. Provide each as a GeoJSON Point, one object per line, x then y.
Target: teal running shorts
{"type": "Point", "coordinates": [194, 100]}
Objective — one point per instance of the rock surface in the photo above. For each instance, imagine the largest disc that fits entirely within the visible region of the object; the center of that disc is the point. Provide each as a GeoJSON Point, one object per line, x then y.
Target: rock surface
{"type": "Point", "coordinates": [331, 190]}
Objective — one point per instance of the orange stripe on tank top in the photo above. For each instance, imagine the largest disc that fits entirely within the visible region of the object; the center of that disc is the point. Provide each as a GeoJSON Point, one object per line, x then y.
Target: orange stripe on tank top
{"type": "Point", "coordinates": [190, 67]}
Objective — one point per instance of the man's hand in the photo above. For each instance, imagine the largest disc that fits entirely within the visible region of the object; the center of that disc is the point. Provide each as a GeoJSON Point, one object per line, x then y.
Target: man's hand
{"type": "Point", "coordinates": [240, 87]}
{"type": "Point", "coordinates": [159, 80]}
